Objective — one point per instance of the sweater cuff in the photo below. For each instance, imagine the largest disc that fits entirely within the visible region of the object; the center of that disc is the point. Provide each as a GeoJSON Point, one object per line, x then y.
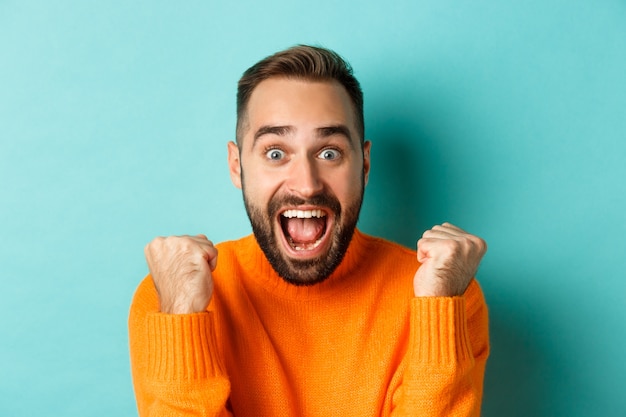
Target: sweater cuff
{"type": "Point", "coordinates": [182, 347]}
{"type": "Point", "coordinates": [439, 333]}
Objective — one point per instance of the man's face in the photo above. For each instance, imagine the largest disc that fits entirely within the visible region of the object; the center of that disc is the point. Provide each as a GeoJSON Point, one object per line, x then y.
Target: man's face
{"type": "Point", "coordinates": [302, 170]}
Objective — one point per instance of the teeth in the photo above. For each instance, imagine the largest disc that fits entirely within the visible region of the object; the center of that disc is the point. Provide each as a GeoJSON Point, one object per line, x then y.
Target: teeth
{"type": "Point", "coordinates": [309, 246]}
{"type": "Point", "coordinates": [303, 214]}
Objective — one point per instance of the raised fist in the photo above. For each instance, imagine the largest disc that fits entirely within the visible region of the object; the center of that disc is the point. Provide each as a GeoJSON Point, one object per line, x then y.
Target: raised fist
{"type": "Point", "coordinates": [450, 258]}
{"type": "Point", "coordinates": [181, 270]}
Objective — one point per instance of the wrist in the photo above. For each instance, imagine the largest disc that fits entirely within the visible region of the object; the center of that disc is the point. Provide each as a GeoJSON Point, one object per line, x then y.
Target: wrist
{"type": "Point", "coordinates": [183, 307]}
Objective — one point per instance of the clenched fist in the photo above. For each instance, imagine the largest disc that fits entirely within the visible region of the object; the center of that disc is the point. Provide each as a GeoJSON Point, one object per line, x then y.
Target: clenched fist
{"type": "Point", "coordinates": [181, 270]}
{"type": "Point", "coordinates": [450, 258]}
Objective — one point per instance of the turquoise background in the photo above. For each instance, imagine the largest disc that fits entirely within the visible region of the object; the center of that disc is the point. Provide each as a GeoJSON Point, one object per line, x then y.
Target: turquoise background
{"type": "Point", "coordinates": [506, 118]}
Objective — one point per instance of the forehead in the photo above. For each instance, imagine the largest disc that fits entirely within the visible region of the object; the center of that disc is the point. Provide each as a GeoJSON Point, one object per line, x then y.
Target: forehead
{"type": "Point", "coordinates": [300, 103]}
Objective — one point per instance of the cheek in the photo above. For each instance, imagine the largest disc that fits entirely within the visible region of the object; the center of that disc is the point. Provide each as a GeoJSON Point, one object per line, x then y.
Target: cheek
{"type": "Point", "coordinates": [347, 187]}
{"type": "Point", "coordinates": [259, 186]}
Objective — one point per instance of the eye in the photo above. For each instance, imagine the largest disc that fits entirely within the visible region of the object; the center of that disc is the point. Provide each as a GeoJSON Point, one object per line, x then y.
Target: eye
{"type": "Point", "coordinates": [330, 154]}
{"type": "Point", "coordinates": [274, 154]}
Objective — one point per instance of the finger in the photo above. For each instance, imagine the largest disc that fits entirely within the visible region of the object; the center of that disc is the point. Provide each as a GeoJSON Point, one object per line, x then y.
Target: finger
{"type": "Point", "coordinates": [450, 228]}
{"type": "Point", "coordinates": [422, 251]}
{"type": "Point", "coordinates": [427, 248]}
{"type": "Point", "coordinates": [449, 225]}
{"type": "Point", "coordinates": [208, 250]}
{"type": "Point", "coordinates": [439, 233]}
{"type": "Point", "coordinates": [213, 259]}
{"type": "Point", "coordinates": [201, 239]}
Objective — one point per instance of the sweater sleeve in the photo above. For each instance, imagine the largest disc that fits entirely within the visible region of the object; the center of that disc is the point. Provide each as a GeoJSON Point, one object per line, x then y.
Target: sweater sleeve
{"type": "Point", "coordinates": [174, 362]}
{"type": "Point", "coordinates": [445, 363]}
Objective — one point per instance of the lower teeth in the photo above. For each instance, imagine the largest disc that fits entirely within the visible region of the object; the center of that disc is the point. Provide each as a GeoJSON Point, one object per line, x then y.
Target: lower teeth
{"type": "Point", "coordinates": [307, 246]}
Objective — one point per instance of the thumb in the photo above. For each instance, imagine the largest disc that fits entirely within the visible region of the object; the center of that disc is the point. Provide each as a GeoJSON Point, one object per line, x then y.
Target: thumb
{"type": "Point", "coordinates": [213, 261]}
{"type": "Point", "coordinates": [423, 250]}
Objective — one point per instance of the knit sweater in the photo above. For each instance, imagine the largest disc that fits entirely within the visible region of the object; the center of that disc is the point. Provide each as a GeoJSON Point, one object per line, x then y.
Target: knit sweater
{"type": "Point", "coordinates": [357, 344]}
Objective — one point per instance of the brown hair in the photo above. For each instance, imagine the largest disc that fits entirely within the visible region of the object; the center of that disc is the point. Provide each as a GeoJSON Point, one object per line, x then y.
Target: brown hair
{"type": "Point", "coordinates": [304, 62]}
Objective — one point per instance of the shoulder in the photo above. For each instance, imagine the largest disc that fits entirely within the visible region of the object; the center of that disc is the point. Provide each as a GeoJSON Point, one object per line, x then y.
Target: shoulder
{"type": "Point", "coordinates": [145, 301]}
{"type": "Point", "coordinates": [146, 291]}
{"type": "Point", "coordinates": [386, 248]}
{"type": "Point", "coordinates": [236, 259]}
{"type": "Point", "coordinates": [236, 246]}
{"type": "Point", "coordinates": [385, 243]}
{"type": "Point", "coordinates": [380, 254]}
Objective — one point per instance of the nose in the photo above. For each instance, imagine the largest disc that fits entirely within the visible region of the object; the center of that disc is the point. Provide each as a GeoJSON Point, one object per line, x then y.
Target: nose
{"type": "Point", "coordinates": [304, 178]}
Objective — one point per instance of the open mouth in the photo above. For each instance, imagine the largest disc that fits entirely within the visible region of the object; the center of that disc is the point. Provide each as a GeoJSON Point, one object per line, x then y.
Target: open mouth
{"type": "Point", "coordinates": [304, 230]}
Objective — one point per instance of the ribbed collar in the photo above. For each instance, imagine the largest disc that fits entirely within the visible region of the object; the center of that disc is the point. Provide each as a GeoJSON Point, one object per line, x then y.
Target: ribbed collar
{"type": "Point", "coordinates": [259, 271]}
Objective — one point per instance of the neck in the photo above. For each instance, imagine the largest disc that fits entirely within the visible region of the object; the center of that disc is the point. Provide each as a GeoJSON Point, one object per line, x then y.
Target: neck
{"type": "Point", "coordinates": [262, 273]}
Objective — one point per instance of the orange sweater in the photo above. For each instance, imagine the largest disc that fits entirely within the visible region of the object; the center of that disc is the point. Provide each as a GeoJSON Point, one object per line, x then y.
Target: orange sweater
{"type": "Point", "coordinates": [358, 344]}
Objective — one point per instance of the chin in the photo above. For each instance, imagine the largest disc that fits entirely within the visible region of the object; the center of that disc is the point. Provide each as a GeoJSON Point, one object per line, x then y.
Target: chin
{"type": "Point", "coordinates": [304, 240]}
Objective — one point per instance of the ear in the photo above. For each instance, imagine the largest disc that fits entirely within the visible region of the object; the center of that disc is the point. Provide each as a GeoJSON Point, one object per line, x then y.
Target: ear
{"type": "Point", "coordinates": [234, 164]}
{"type": "Point", "coordinates": [367, 146]}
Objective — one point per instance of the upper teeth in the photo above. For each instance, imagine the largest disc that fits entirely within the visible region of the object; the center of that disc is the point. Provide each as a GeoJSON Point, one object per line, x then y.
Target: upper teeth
{"type": "Point", "coordinates": [303, 214]}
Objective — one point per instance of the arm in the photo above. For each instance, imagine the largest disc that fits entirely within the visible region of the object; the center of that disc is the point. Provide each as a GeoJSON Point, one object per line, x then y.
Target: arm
{"type": "Point", "coordinates": [449, 338]}
{"type": "Point", "coordinates": [445, 364]}
{"type": "Point", "coordinates": [175, 366]}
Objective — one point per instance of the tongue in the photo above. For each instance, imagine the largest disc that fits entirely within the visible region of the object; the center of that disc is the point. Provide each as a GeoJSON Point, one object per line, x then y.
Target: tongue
{"type": "Point", "coordinates": [305, 230]}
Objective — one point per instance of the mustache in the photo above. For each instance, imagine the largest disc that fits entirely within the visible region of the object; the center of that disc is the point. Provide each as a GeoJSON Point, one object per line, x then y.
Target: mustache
{"type": "Point", "coordinates": [323, 200]}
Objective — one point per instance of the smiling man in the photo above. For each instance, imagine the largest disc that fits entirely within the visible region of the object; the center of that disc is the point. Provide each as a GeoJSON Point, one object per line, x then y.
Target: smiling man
{"type": "Point", "coordinates": [305, 170]}
{"type": "Point", "coordinates": [308, 316]}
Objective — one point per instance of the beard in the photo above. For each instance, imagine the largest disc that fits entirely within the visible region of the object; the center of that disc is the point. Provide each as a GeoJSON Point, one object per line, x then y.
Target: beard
{"type": "Point", "coordinates": [309, 271]}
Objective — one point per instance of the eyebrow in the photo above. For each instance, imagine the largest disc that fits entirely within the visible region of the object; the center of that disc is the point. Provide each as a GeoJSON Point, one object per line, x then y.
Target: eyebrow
{"type": "Point", "coordinates": [321, 132]}
{"type": "Point", "coordinates": [342, 130]}
{"type": "Point", "coordinates": [273, 130]}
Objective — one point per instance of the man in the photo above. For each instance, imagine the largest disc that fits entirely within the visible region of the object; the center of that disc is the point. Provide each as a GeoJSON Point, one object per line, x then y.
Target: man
{"type": "Point", "coordinates": [309, 316]}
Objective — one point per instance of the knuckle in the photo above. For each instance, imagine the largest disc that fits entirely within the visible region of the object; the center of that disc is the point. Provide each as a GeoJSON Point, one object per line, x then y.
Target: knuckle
{"type": "Point", "coordinates": [451, 246]}
{"type": "Point", "coordinates": [184, 242]}
{"type": "Point", "coordinates": [169, 240]}
{"type": "Point", "coordinates": [154, 243]}
{"type": "Point", "coordinates": [478, 242]}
